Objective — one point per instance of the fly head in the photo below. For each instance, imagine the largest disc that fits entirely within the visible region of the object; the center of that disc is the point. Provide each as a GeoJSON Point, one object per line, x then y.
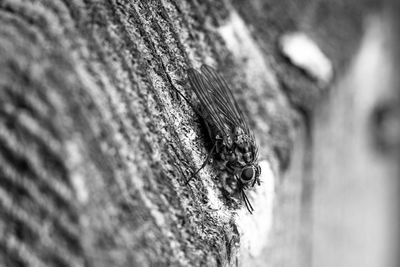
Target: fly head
{"type": "Point", "coordinates": [250, 175]}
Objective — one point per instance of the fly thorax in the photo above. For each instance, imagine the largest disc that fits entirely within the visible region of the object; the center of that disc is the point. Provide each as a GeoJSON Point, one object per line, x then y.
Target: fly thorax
{"type": "Point", "coordinates": [248, 157]}
{"type": "Point", "coordinates": [244, 155]}
{"type": "Point", "coordinates": [227, 141]}
{"type": "Point", "coordinates": [241, 140]}
{"type": "Point", "coordinates": [238, 131]}
{"type": "Point", "coordinates": [225, 154]}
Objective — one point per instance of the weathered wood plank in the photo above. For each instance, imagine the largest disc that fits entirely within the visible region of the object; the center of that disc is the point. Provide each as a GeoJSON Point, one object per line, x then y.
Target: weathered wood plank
{"type": "Point", "coordinates": [95, 142]}
{"type": "Point", "coordinates": [96, 145]}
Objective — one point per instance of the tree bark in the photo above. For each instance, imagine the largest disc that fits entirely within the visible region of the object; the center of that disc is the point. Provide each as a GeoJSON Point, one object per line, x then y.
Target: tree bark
{"type": "Point", "coordinates": [96, 145]}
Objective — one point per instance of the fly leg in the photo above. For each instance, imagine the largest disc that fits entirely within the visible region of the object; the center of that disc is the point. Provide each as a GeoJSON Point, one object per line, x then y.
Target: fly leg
{"type": "Point", "coordinates": [199, 111]}
{"type": "Point", "coordinates": [204, 163]}
{"type": "Point", "coordinates": [247, 202]}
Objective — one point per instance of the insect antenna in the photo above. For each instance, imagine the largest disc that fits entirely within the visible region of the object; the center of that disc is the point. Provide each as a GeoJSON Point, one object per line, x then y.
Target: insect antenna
{"type": "Point", "coordinates": [247, 202]}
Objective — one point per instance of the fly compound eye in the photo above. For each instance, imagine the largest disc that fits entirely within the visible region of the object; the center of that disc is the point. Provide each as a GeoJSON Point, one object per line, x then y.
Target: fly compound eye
{"type": "Point", "coordinates": [247, 174]}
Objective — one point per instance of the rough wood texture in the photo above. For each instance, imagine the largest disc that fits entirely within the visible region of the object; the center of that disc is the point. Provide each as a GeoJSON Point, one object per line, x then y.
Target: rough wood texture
{"type": "Point", "coordinates": [96, 145]}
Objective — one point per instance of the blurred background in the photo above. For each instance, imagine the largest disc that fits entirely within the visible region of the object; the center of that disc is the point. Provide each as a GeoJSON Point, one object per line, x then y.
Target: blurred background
{"type": "Point", "coordinates": [356, 155]}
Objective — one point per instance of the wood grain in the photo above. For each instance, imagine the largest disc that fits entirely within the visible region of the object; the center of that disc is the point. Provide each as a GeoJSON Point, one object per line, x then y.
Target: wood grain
{"type": "Point", "coordinates": [96, 144]}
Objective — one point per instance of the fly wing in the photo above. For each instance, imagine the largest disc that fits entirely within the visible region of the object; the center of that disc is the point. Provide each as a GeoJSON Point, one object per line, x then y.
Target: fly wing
{"type": "Point", "coordinates": [203, 91]}
{"type": "Point", "coordinates": [223, 100]}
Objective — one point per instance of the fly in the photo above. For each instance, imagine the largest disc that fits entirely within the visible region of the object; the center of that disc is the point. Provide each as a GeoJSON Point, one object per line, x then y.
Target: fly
{"type": "Point", "coordinates": [234, 148]}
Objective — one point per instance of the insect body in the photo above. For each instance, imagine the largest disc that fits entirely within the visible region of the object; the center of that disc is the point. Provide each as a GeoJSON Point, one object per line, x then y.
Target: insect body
{"type": "Point", "coordinates": [234, 148]}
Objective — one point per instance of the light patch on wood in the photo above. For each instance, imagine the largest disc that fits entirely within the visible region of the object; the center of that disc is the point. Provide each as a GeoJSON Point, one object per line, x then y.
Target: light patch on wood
{"type": "Point", "coordinates": [77, 179]}
{"type": "Point", "coordinates": [244, 48]}
{"type": "Point", "coordinates": [305, 54]}
{"type": "Point", "coordinates": [255, 228]}
{"type": "Point", "coordinates": [79, 185]}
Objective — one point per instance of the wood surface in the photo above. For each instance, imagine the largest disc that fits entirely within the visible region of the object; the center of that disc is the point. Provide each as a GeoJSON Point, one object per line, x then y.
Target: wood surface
{"type": "Point", "coordinates": [96, 145]}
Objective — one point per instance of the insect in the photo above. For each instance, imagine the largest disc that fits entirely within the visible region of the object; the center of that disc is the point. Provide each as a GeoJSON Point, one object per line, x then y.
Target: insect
{"type": "Point", "coordinates": [234, 148]}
